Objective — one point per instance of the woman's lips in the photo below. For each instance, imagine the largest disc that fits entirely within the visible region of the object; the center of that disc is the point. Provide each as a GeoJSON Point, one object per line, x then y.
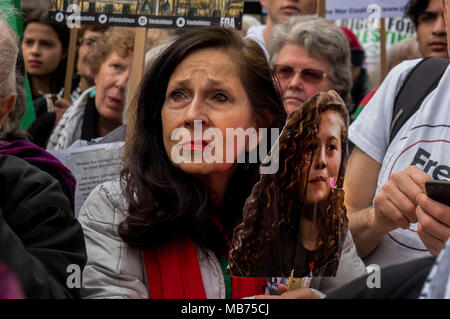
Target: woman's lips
{"type": "Point", "coordinates": [194, 145]}
{"type": "Point", "coordinates": [318, 180]}
{"type": "Point", "coordinates": [34, 63]}
{"type": "Point", "coordinates": [115, 101]}
{"type": "Point", "coordinates": [293, 99]}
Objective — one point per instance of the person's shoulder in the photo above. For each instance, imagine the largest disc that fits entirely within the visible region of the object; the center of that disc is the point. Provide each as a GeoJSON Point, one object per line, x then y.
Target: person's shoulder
{"type": "Point", "coordinates": [255, 30]}
{"type": "Point", "coordinates": [28, 188]}
{"type": "Point", "coordinates": [16, 173]}
{"type": "Point", "coordinates": [105, 204]}
{"type": "Point", "coordinates": [402, 70]}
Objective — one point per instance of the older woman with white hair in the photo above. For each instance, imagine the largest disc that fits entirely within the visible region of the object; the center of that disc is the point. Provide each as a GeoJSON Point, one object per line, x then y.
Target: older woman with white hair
{"type": "Point", "coordinates": [39, 235]}
{"type": "Point", "coordinates": [310, 55]}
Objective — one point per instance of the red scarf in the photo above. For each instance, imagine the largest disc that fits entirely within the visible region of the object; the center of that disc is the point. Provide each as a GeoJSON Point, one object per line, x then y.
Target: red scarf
{"type": "Point", "coordinates": [173, 272]}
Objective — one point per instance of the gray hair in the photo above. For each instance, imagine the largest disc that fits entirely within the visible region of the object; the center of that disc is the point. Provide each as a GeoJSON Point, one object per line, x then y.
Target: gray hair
{"type": "Point", "coordinates": [407, 48]}
{"type": "Point", "coordinates": [12, 78]}
{"type": "Point", "coordinates": [8, 57]}
{"type": "Point", "coordinates": [322, 40]}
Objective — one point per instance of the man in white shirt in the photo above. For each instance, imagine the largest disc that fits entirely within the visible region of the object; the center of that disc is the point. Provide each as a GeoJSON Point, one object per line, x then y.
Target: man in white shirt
{"type": "Point", "coordinates": [278, 11]}
{"type": "Point", "coordinates": [391, 218]}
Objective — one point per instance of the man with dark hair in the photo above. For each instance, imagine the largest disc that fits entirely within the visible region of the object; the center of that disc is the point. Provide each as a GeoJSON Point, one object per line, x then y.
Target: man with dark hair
{"type": "Point", "coordinates": [428, 19]}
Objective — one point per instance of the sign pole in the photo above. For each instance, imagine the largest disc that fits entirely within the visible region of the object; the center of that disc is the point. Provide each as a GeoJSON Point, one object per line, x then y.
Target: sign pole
{"type": "Point", "coordinates": [70, 63]}
{"type": "Point", "coordinates": [321, 5]}
{"type": "Point", "coordinates": [383, 51]}
{"type": "Point", "coordinates": [137, 72]}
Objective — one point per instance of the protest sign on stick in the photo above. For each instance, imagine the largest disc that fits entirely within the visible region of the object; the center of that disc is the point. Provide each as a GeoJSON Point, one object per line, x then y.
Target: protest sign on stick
{"type": "Point", "coordinates": [91, 165]}
{"type": "Point", "coordinates": [321, 8]}
{"type": "Point", "coordinates": [136, 75]}
{"type": "Point", "coordinates": [383, 50]}
{"type": "Point", "coordinates": [70, 63]}
{"type": "Point", "coordinates": [375, 11]}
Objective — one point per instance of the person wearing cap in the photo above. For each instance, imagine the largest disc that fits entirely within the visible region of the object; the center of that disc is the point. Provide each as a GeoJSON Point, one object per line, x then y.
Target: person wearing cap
{"type": "Point", "coordinates": [360, 77]}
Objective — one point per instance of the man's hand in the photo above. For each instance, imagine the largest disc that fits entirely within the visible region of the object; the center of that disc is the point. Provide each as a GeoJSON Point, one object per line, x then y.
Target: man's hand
{"type": "Point", "coordinates": [62, 104]}
{"type": "Point", "coordinates": [434, 223]}
{"type": "Point", "coordinates": [301, 293]}
{"type": "Point", "coordinates": [395, 204]}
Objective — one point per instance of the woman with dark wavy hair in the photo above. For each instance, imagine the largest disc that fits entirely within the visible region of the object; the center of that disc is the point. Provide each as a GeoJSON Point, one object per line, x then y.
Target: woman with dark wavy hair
{"type": "Point", "coordinates": [295, 220]}
{"type": "Point", "coordinates": [163, 230]}
{"type": "Point", "coordinates": [44, 46]}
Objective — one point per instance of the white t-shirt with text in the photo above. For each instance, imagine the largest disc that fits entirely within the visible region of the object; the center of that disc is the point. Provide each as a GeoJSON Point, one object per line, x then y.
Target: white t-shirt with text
{"type": "Point", "coordinates": [424, 141]}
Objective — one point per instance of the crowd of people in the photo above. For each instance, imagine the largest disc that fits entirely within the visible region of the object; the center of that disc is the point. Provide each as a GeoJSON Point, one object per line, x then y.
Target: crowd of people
{"type": "Point", "coordinates": [198, 228]}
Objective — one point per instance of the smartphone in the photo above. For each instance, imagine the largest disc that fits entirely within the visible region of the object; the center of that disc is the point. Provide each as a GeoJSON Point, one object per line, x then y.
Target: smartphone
{"type": "Point", "coordinates": [439, 191]}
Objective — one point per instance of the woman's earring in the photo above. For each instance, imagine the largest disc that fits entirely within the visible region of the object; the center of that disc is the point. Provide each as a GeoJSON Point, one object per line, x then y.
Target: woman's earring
{"type": "Point", "coordinates": [92, 94]}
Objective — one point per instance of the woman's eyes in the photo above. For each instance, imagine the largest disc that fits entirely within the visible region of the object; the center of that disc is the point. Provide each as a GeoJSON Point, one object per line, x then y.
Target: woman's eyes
{"type": "Point", "coordinates": [30, 42]}
{"type": "Point", "coordinates": [221, 97]}
{"type": "Point", "coordinates": [117, 67]}
{"type": "Point", "coordinates": [47, 44]}
{"type": "Point", "coordinates": [332, 147]}
{"type": "Point", "coordinates": [177, 95]}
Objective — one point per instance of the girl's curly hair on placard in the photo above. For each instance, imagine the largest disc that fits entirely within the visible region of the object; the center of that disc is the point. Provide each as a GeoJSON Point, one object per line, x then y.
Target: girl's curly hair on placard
{"type": "Point", "coordinates": [277, 198]}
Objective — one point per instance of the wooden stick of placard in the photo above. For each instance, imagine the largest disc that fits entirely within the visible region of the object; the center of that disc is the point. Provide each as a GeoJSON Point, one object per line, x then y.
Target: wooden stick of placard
{"type": "Point", "coordinates": [321, 8]}
{"type": "Point", "coordinates": [70, 63]}
{"type": "Point", "coordinates": [383, 51]}
{"type": "Point", "coordinates": [137, 72]}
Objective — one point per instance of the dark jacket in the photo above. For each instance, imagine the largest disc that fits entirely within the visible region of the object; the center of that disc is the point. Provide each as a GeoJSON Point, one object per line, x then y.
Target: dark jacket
{"type": "Point", "coordinates": [39, 235]}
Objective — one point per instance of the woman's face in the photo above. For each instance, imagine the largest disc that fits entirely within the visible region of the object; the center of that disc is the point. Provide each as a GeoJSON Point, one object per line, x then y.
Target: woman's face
{"type": "Point", "coordinates": [205, 89]}
{"type": "Point", "coordinates": [326, 157]}
{"type": "Point", "coordinates": [42, 50]}
{"type": "Point", "coordinates": [299, 87]}
{"type": "Point", "coordinates": [87, 43]}
{"type": "Point", "coordinates": [111, 82]}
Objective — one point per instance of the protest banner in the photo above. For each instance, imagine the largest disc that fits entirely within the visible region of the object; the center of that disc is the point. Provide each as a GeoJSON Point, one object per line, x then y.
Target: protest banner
{"type": "Point", "coordinates": [375, 13]}
{"type": "Point", "coordinates": [363, 9]}
{"type": "Point", "coordinates": [321, 10]}
{"type": "Point", "coordinates": [397, 29]}
{"type": "Point", "coordinates": [151, 13]}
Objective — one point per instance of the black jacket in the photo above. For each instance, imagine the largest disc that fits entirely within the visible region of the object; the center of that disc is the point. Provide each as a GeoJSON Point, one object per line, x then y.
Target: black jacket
{"type": "Point", "coordinates": [39, 235]}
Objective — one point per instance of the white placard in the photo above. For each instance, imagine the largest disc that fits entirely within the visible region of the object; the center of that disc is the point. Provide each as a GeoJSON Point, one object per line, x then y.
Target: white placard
{"type": "Point", "coordinates": [363, 9]}
{"type": "Point", "coordinates": [91, 165]}
{"type": "Point", "coordinates": [397, 29]}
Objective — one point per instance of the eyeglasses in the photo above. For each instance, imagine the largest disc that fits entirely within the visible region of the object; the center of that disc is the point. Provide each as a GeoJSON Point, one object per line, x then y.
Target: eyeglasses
{"type": "Point", "coordinates": [286, 72]}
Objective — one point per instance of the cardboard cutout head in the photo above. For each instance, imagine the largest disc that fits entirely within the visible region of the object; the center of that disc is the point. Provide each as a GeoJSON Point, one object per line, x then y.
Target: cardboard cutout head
{"type": "Point", "coordinates": [283, 229]}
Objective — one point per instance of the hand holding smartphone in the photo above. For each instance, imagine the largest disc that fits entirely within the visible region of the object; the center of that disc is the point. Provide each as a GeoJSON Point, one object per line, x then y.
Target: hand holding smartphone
{"type": "Point", "coordinates": [439, 191]}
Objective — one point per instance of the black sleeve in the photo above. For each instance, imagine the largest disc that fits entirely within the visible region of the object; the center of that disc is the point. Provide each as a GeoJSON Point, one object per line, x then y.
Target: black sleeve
{"type": "Point", "coordinates": [402, 281]}
{"type": "Point", "coordinates": [41, 129]}
{"type": "Point", "coordinates": [39, 235]}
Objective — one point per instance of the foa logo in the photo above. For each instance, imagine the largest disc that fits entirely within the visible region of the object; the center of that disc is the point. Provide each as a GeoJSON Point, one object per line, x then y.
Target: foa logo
{"type": "Point", "coordinates": [433, 168]}
{"type": "Point", "coordinates": [227, 22]}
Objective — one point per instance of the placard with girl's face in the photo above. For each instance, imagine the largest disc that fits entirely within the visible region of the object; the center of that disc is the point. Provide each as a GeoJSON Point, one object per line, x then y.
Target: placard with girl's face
{"type": "Point", "coordinates": [295, 219]}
